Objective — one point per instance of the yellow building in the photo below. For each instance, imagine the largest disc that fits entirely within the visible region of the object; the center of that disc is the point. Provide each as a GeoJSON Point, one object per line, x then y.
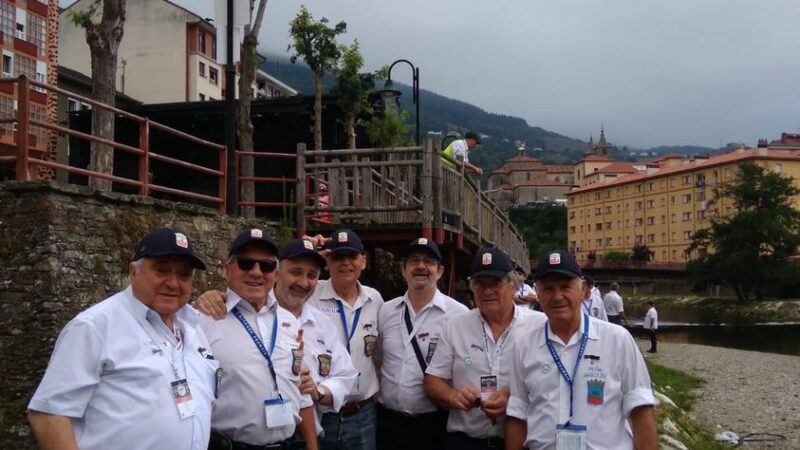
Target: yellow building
{"type": "Point", "coordinates": [662, 205]}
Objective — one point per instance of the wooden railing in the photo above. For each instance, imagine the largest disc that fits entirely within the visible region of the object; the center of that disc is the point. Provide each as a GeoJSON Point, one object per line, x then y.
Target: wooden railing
{"type": "Point", "coordinates": [25, 163]}
{"type": "Point", "coordinates": [402, 187]}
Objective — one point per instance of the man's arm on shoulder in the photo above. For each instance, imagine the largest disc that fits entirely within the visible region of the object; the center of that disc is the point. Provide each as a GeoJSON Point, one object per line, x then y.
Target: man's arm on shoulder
{"type": "Point", "coordinates": [212, 303]}
{"type": "Point", "coordinates": [516, 432]}
{"type": "Point", "coordinates": [52, 432]}
{"type": "Point", "coordinates": [643, 425]}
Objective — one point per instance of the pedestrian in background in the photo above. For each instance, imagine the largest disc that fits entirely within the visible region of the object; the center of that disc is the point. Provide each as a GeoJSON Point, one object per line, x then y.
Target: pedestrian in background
{"type": "Point", "coordinates": [614, 307]}
{"type": "Point", "coordinates": [651, 324]}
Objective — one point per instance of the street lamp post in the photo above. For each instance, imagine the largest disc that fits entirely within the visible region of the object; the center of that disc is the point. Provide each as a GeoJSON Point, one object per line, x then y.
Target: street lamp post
{"type": "Point", "coordinates": [389, 94]}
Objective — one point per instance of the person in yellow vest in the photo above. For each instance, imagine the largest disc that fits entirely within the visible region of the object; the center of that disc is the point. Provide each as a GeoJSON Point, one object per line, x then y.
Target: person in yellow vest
{"type": "Point", "coordinates": [458, 150]}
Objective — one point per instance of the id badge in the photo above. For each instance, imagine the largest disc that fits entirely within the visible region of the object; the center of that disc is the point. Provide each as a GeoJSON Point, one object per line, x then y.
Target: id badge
{"type": "Point", "coordinates": [183, 398]}
{"type": "Point", "coordinates": [570, 437]}
{"type": "Point", "coordinates": [488, 386]}
{"type": "Point", "coordinates": [278, 412]}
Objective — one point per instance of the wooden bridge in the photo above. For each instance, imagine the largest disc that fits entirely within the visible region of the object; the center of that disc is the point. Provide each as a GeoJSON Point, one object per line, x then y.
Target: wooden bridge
{"type": "Point", "coordinates": [388, 195]}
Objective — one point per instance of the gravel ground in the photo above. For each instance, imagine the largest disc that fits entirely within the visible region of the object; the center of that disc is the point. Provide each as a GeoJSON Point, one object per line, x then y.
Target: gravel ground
{"type": "Point", "coordinates": [745, 391]}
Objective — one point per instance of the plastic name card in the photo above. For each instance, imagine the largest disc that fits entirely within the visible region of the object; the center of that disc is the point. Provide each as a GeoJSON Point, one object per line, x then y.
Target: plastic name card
{"type": "Point", "coordinates": [488, 387]}
{"type": "Point", "coordinates": [278, 412]}
{"type": "Point", "coordinates": [183, 398]}
{"type": "Point", "coordinates": [570, 437]}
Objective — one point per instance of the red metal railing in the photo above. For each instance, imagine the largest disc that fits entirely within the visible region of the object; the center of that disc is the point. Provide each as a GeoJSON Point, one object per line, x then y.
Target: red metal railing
{"type": "Point", "coordinates": [279, 180]}
{"type": "Point", "coordinates": [24, 161]}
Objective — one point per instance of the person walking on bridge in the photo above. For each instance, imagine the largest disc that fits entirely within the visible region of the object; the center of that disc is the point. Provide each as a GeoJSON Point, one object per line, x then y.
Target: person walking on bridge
{"type": "Point", "coordinates": [459, 149]}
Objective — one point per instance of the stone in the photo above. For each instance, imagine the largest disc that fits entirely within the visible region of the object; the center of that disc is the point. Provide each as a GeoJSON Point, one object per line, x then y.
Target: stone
{"type": "Point", "coordinates": [661, 398]}
{"type": "Point", "coordinates": [670, 443]}
{"type": "Point", "coordinates": [670, 427]}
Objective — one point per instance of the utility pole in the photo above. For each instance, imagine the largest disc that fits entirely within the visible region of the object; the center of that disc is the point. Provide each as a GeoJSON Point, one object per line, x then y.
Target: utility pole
{"type": "Point", "coordinates": [230, 117]}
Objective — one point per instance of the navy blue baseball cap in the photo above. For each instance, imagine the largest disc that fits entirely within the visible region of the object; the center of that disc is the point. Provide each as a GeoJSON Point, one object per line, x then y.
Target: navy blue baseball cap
{"type": "Point", "coordinates": [491, 262]}
{"type": "Point", "coordinates": [297, 248]}
{"type": "Point", "coordinates": [249, 236]}
{"type": "Point", "coordinates": [345, 240]}
{"type": "Point", "coordinates": [426, 245]}
{"type": "Point", "coordinates": [559, 261]}
{"type": "Point", "coordinates": [167, 242]}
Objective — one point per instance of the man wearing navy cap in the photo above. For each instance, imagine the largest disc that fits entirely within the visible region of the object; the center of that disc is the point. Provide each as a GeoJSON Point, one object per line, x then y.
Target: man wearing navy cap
{"type": "Point", "coordinates": [469, 374]}
{"type": "Point", "coordinates": [411, 327]}
{"type": "Point", "coordinates": [353, 308]}
{"type": "Point", "coordinates": [258, 345]}
{"type": "Point", "coordinates": [592, 303]}
{"type": "Point", "coordinates": [576, 380]}
{"type": "Point", "coordinates": [133, 371]}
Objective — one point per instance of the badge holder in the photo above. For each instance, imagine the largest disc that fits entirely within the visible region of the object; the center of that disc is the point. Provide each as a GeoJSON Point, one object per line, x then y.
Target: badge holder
{"type": "Point", "coordinates": [570, 437]}
{"type": "Point", "coordinates": [183, 398]}
{"type": "Point", "coordinates": [278, 412]}
{"type": "Point", "coordinates": [488, 387]}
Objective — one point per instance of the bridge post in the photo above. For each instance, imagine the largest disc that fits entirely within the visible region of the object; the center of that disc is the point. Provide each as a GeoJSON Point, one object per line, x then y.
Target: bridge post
{"type": "Point", "coordinates": [23, 93]}
{"type": "Point", "coordinates": [426, 188]}
{"type": "Point", "coordinates": [300, 189]}
{"type": "Point", "coordinates": [436, 189]}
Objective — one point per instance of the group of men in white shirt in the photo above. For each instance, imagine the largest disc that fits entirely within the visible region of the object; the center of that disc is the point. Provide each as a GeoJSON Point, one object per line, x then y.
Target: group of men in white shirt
{"type": "Point", "coordinates": [282, 360]}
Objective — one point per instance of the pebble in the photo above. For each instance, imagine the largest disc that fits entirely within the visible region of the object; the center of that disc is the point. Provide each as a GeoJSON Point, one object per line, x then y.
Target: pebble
{"type": "Point", "coordinates": [745, 391]}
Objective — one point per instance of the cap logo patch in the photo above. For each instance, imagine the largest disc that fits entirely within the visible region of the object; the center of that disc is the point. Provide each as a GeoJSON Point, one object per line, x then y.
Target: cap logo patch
{"type": "Point", "coordinates": [308, 245]}
{"type": "Point", "coordinates": [486, 259]}
{"type": "Point", "coordinates": [422, 241]}
{"type": "Point", "coordinates": [181, 240]}
{"type": "Point", "coordinates": [555, 259]}
{"type": "Point", "coordinates": [256, 233]}
{"type": "Point", "coordinates": [342, 236]}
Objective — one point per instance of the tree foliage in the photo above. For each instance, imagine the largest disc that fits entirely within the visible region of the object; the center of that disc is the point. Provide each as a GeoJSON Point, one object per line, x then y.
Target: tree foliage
{"type": "Point", "coordinates": [387, 129]}
{"type": "Point", "coordinates": [544, 228]}
{"type": "Point", "coordinates": [749, 249]}
{"type": "Point", "coordinates": [352, 88]}
{"type": "Point", "coordinates": [315, 43]}
{"type": "Point", "coordinates": [641, 252]}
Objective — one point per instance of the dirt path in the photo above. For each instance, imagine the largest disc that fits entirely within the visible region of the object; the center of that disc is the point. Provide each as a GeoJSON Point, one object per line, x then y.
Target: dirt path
{"type": "Point", "coordinates": [745, 391]}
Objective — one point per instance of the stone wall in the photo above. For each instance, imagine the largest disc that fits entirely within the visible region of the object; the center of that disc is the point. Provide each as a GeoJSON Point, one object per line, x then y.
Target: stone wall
{"type": "Point", "coordinates": [62, 249]}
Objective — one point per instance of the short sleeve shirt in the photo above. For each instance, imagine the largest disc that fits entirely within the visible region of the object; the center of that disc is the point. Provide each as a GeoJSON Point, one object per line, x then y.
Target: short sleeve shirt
{"type": "Point", "coordinates": [611, 381]}
{"type": "Point", "coordinates": [467, 351]}
{"type": "Point", "coordinates": [111, 373]}
{"type": "Point", "coordinates": [613, 303]}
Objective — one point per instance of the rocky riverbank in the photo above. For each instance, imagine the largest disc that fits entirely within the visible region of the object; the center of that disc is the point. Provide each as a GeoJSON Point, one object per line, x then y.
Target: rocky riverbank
{"type": "Point", "coordinates": [715, 310]}
{"type": "Point", "coordinates": [745, 391]}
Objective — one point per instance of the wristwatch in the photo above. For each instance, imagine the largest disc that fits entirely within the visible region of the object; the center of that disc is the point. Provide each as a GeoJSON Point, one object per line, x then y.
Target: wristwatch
{"type": "Point", "coordinates": [321, 394]}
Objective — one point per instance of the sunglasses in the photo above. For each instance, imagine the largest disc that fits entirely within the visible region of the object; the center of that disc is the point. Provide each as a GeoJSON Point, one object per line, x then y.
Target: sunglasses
{"type": "Point", "coordinates": [266, 265]}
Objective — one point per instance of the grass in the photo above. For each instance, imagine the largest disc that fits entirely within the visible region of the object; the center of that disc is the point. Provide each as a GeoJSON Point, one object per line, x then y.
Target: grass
{"type": "Point", "coordinates": [682, 389]}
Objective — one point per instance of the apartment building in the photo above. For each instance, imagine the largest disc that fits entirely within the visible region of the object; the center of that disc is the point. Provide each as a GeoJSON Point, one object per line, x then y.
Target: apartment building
{"type": "Point", "coordinates": [168, 53]}
{"type": "Point", "coordinates": [662, 205]}
{"type": "Point", "coordinates": [28, 39]}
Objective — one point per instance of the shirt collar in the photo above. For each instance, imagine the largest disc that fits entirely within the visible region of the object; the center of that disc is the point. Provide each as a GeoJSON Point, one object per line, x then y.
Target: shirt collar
{"type": "Point", "coordinates": [142, 311]}
{"type": "Point", "coordinates": [439, 301]}
{"type": "Point", "coordinates": [575, 338]}
{"type": "Point", "coordinates": [234, 300]}
{"type": "Point", "coordinates": [326, 292]}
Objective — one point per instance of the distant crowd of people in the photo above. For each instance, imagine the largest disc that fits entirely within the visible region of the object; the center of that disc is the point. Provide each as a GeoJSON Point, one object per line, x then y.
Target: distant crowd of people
{"type": "Point", "coordinates": [284, 360]}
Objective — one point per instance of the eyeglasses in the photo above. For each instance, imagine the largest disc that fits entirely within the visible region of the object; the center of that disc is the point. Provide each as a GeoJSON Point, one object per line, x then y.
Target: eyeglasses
{"type": "Point", "coordinates": [425, 261]}
{"type": "Point", "coordinates": [247, 264]}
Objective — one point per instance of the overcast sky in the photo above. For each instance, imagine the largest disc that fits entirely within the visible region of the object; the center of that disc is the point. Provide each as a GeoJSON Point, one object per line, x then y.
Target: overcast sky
{"type": "Point", "coordinates": [703, 72]}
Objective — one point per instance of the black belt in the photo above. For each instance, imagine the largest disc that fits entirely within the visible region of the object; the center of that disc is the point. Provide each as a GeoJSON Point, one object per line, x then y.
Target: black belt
{"type": "Point", "coordinates": [487, 442]}
{"type": "Point", "coordinates": [285, 445]}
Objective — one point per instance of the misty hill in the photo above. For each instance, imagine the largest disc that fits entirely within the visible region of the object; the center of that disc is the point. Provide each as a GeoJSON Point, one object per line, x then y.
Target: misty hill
{"type": "Point", "coordinates": [441, 114]}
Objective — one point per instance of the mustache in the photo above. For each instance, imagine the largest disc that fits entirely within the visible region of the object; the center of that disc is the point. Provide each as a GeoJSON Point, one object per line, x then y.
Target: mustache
{"type": "Point", "coordinates": [420, 272]}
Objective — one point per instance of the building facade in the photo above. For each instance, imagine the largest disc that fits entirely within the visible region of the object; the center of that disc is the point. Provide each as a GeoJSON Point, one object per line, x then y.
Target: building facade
{"type": "Point", "coordinates": [524, 179]}
{"type": "Point", "coordinates": [662, 205]}
{"type": "Point", "coordinates": [29, 43]}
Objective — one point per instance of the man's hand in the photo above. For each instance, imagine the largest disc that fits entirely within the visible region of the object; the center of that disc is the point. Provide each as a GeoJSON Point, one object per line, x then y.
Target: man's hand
{"type": "Point", "coordinates": [465, 398]}
{"type": "Point", "coordinates": [479, 171]}
{"type": "Point", "coordinates": [307, 384]}
{"type": "Point", "coordinates": [496, 405]}
{"type": "Point", "coordinates": [318, 240]}
{"type": "Point", "coordinates": [212, 303]}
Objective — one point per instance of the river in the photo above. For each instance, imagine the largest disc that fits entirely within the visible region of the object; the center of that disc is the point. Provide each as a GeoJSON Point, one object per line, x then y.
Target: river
{"type": "Point", "coordinates": [770, 338]}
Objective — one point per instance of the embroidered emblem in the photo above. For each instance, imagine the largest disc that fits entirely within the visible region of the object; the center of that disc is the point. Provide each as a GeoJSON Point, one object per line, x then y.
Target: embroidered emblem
{"type": "Point", "coordinates": [594, 392]}
{"type": "Point", "coordinates": [324, 364]}
{"type": "Point", "coordinates": [342, 236]}
{"type": "Point", "coordinates": [546, 368]}
{"type": "Point", "coordinates": [256, 233]}
{"type": "Point", "coordinates": [308, 245]}
{"type": "Point", "coordinates": [555, 259]}
{"type": "Point", "coordinates": [467, 359]}
{"type": "Point", "coordinates": [297, 360]}
{"type": "Point", "coordinates": [422, 241]}
{"type": "Point", "coordinates": [181, 240]}
{"type": "Point", "coordinates": [369, 344]}
{"type": "Point", "coordinates": [486, 259]}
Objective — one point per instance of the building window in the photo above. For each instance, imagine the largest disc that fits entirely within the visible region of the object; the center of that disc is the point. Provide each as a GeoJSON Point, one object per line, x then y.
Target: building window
{"type": "Point", "coordinates": [638, 205]}
{"type": "Point", "coordinates": [687, 235]}
{"type": "Point", "coordinates": [651, 220]}
{"type": "Point", "coordinates": [598, 227]}
{"type": "Point", "coordinates": [639, 222]}
{"type": "Point", "coordinates": [20, 31]}
{"type": "Point", "coordinates": [37, 112]}
{"type": "Point", "coordinates": [599, 242]}
{"type": "Point", "coordinates": [650, 203]}
{"type": "Point", "coordinates": [25, 66]}
{"type": "Point", "coordinates": [650, 186]}
{"type": "Point", "coordinates": [609, 242]}
{"type": "Point", "coordinates": [608, 210]}
{"type": "Point", "coordinates": [72, 104]}
{"type": "Point", "coordinates": [213, 75]}
{"type": "Point", "coordinates": [8, 64]}
{"type": "Point", "coordinates": [638, 188]}
{"type": "Point", "coordinates": [608, 193]}
{"type": "Point", "coordinates": [701, 196]}
{"type": "Point", "coordinates": [7, 111]}
{"type": "Point", "coordinates": [597, 211]}
{"type": "Point", "coordinates": [663, 219]}
{"type": "Point", "coordinates": [36, 33]}
{"type": "Point", "coordinates": [7, 20]}
{"type": "Point", "coordinates": [202, 41]}
{"type": "Point", "coordinates": [201, 69]}
{"type": "Point", "coordinates": [639, 238]}
{"type": "Point", "coordinates": [202, 97]}
{"type": "Point", "coordinates": [597, 196]}
{"type": "Point", "coordinates": [214, 48]}
{"type": "Point", "coordinates": [663, 237]}
{"type": "Point", "coordinates": [572, 229]}
{"type": "Point", "coordinates": [685, 179]}
{"type": "Point", "coordinates": [608, 225]}
{"type": "Point", "coordinates": [651, 238]}
{"type": "Point", "coordinates": [572, 214]}
{"type": "Point", "coordinates": [701, 215]}
{"type": "Point", "coordinates": [778, 168]}
{"type": "Point", "coordinates": [674, 218]}
{"type": "Point", "coordinates": [687, 198]}
{"type": "Point", "coordinates": [686, 216]}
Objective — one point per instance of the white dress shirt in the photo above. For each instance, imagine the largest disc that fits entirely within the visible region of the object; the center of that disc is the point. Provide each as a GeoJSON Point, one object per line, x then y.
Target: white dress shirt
{"type": "Point", "coordinates": [365, 337]}
{"type": "Point", "coordinates": [463, 356]}
{"type": "Point", "coordinates": [612, 367]}
{"type": "Point", "coordinates": [613, 303]}
{"type": "Point", "coordinates": [594, 305]}
{"type": "Point", "coordinates": [651, 319]}
{"type": "Point", "coordinates": [239, 411]}
{"type": "Point", "coordinates": [401, 374]}
{"type": "Point", "coordinates": [111, 372]}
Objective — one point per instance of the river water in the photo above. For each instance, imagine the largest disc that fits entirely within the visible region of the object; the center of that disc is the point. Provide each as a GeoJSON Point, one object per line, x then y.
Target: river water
{"type": "Point", "coordinates": [770, 338]}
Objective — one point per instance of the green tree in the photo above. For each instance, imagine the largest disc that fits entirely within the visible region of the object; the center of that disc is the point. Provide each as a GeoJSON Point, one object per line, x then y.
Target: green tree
{"type": "Point", "coordinates": [315, 43]}
{"type": "Point", "coordinates": [749, 249]}
{"type": "Point", "coordinates": [543, 228]}
{"type": "Point", "coordinates": [353, 89]}
{"type": "Point", "coordinates": [103, 38]}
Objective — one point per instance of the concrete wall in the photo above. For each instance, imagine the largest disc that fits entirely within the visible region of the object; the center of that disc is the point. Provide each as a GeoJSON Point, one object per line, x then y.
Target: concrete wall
{"type": "Point", "coordinates": [154, 46]}
{"type": "Point", "coordinates": [62, 249]}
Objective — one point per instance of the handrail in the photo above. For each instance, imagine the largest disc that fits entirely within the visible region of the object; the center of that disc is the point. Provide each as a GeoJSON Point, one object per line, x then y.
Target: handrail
{"type": "Point", "coordinates": [25, 163]}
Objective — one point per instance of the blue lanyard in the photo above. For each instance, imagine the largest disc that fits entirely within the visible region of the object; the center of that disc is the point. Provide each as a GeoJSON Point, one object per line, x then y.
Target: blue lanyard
{"type": "Point", "coordinates": [349, 335]}
{"type": "Point", "coordinates": [570, 380]}
{"type": "Point", "coordinates": [260, 344]}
